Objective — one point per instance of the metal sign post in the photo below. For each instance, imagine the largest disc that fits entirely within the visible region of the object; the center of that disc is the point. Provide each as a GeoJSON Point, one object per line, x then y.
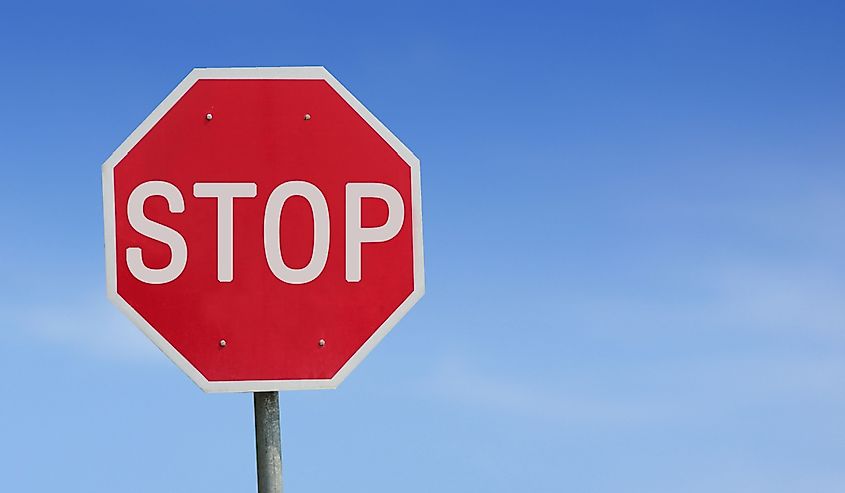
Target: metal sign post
{"type": "Point", "coordinates": [268, 442]}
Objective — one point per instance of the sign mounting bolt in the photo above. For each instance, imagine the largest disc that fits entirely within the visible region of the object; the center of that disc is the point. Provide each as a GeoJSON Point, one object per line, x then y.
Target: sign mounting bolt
{"type": "Point", "coordinates": [322, 342]}
{"type": "Point", "coordinates": [222, 342]}
{"type": "Point", "coordinates": [209, 116]}
{"type": "Point", "coordinates": [307, 116]}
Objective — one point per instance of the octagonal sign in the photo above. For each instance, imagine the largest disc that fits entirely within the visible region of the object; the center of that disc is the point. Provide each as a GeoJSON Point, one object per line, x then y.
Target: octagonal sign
{"type": "Point", "coordinates": [263, 229]}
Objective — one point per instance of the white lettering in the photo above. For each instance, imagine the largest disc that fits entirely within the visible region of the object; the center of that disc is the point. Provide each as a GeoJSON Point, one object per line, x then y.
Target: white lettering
{"type": "Point", "coordinates": [225, 193]}
{"type": "Point", "coordinates": [272, 222]}
{"type": "Point", "coordinates": [356, 234]}
{"type": "Point", "coordinates": [156, 231]}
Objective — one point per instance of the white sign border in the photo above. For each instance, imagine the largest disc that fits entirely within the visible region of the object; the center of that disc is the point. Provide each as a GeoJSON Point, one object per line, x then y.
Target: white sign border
{"type": "Point", "coordinates": [290, 73]}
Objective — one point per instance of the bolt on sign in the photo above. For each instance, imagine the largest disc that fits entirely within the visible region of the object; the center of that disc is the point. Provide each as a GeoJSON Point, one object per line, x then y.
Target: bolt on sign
{"type": "Point", "coordinates": [263, 229]}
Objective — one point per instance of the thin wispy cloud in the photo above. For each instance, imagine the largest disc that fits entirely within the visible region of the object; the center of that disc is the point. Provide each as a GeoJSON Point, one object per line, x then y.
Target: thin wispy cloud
{"type": "Point", "coordinates": [89, 325]}
{"type": "Point", "coordinates": [544, 398]}
{"type": "Point", "coordinates": [686, 392]}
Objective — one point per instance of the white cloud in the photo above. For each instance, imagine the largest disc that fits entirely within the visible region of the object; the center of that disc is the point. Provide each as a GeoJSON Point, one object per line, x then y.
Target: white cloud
{"type": "Point", "coordinates": [782, 297]}
{"type": "Point", "coordinates": [550, 401]}
{"type": "Point", "coordinates": [89, 325]}
{"type": "Point", "coordinates": [686, 391]}
{"type": "Point", "coordinates": [741, 298]}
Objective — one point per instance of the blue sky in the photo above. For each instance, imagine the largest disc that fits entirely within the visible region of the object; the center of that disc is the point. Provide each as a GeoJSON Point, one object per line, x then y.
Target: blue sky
{"type": "Point", "coordinates": [634, 249]}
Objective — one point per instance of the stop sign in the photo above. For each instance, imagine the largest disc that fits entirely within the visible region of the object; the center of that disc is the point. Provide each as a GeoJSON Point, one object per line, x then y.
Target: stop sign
{"type": "Point", "coordinates": [263, 229]}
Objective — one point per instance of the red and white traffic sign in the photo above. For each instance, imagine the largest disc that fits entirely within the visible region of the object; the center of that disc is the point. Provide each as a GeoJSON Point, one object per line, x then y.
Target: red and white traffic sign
{"type": "Point", "coordinates": [263, 229]}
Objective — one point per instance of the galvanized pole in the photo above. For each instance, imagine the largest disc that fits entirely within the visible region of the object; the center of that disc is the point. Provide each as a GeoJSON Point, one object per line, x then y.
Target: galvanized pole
{"type": "Point", "coordinates": [268, 442]}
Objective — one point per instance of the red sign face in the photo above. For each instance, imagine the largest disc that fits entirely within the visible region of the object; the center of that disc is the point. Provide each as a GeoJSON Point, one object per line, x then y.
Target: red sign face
{"type": "Point", "coordinates": [263, 229]}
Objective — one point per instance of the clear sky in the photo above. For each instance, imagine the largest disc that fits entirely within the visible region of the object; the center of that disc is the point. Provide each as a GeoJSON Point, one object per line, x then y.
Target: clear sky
{"type": "Point", "coordinates": [634, 224]}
